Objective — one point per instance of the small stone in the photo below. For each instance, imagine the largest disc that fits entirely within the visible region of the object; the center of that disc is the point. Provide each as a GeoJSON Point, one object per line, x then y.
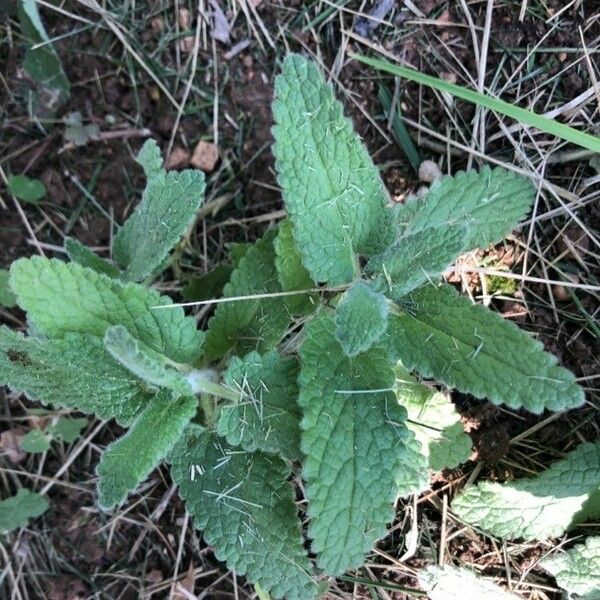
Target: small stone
{"type": "Point", "coordinates": [205, 156]}
{"type": "Point", "coordinates": [157, 24]}
{"type": "Point", "coordinates": [429, 171]}
{"type": "Point", "coordinates": [178, 159]}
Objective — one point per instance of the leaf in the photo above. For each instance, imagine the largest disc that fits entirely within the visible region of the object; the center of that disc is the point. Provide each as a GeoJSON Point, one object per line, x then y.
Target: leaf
{"type": "Point", "coordinates": [149, 366]}
{"type": "Point", "coordinates": [77, 133]}
{"type": "Point", "coordinates": [577, 570]}
{"type": "Point", "coordinates": [361, 318]}
{"type": "Point", "coordinates": [452, 583]}
{"type": "Point", "coordinates": [332, 190]}
{"type": "Point", "coordinates": [169, 205]}
{"type": "Point", "coordinates": [61, 298]}
{"type": "Point", "coordinates": [250, 324]}
{"type": "Point", "coordinates": [416, 259]}
{"type": "Point", "coordinates": [25, 188]}
{"type": "Point", "coordinates": [291, 272]}
{"type": "Point", "coordinates": [539, 507]}
{"type": "Point", "coordinates": [266, 417]}
{"type": "Point", "coordinates": [81, 254]}
{"type": "Point", "coordinates": [434, 421]}
{"type": "Point", "coordinates": [74, 372]}
{"type": "Point", "coordinates": [359, 453]}
{"type": "Point", "coordinates": [244, 504]}
{"type": "Point", "coordinates": [68, 429]}
{"type": "Point", "coordinates": [7, 298]}
{"type": "Point", "coordinates": [129, 460]}
{"type": "Point", "coordinates": [35, 441]}
{"type": "Point", "coordinates": [16, 511]}
{"type": "Point", "coordinates": [209, 285]}
{"type": "Point", "coordinates": [442, 335]}
{"type": "Point", "coordinates": [489, 203]}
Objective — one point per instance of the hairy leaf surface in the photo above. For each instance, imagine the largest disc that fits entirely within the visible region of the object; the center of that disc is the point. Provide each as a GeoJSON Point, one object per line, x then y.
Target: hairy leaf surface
{"type": "Point", "coordinates": [244, 505]}
{"type": "Point", "coordinates": [466, 346]}
{"type": "Point", "coordinates": [539, 507]}
{"type": "Point", "coordinates": [129, 460]}
{"type": "Point", "coordinates": [16, 511]}
{"type": "Point", "coordinates": [81, 254]}
{"type": "Point", "coordinates": [168, 207]}
{"type": "Point", "coordinates": [359, 453]}
{"type": "Point", "coordinates": [267, 416]}
{"type": "Point", "coordinates": [66, 297]}
{"type": "Point", "coordinates": [74, 372]}
{"type": "Point", "coordinates": [332, 190]}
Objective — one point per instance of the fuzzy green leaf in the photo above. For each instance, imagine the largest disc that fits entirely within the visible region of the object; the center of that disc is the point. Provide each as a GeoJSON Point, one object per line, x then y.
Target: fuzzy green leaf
{"type": "Point", "coordinates": [292, 274]}
{"type": "Point", "coordinates": [359, 453]}
{"type": "Point", "coordinates": [361, 318]}
{"type": "Point", "coordinates": [539, 507]}
{"type": "Point", "coordinates": [452, 583]}
{"type": "Point", "coordinates": [578, 570]}
{"type": "Point", "coordinates": [489, 203]}
{"type": "Point", "coordinates": [149, 366]}
{"type": "Point", "coordinates": [332, 190]}
{"type": "Point", "coordinates": [16, 511]}
{"type": "Point", "coordinates": [168, 207]}
{"type": "Point", "coordinates": [75, 372]}
{"type": "Point", "coordinates": [81, 254]}
{"type": "Point", "coordinates": [434, 421]}
{"type": "Point", "coordinates": [246, 325]}
{"type": "Point", "coordinates": [7, 298]}
{"type": "Point", "coordinates": [266, 417]}
{"type": "Point", "coordinates": [444, 336]}
{"type": "Point", "coordinates": [129, 460]}
{"type": "Point", "coordinates": [66, 297]}
{"type": "Point", "coordinates": [244, 504]}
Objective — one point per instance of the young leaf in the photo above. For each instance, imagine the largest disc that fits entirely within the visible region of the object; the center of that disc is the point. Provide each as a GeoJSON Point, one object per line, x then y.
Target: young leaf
{"type": "Point", "coordinates": [266, 417]}
{"type": "Point", "coordinates": [66, 297]}
{"type": "Point", "coordinates": [452, 583]}
{"type": "Point", "coordinates": [128, 461]}
{"type": "Point", "coordinates": [577, 571]}
{"type": "Point", "coordinates": [416, 259]}
{"type": "Point", "coordinates": [361, 318]}
{"type": "Point", "coordinates": [81, 254]}
{"type": "Point", "coordinates": [67, 429]}
{"type": "Point", "coordinates": [7, 298]}
{"type": "Point", "coordinates": [291, 272]}
{"type": "Point", "coordinates": [443, 335]}
{"type": "Point", "coordinates": [35, 441]}
{"type": "Point", "coordinates": [244, 504]}
{"type": "Point", "coordinates": [75, 372]}
{"type": "Point", "coordinates": [248, 324]}
{"type": "Point", "coordinates": [434, 421]}
{"type": "Point", "coordinates": [540, 507]}
{"type": "Point", "coordinates": [359, 453]}
{"type": "Point", "coordinates": [25, 188]}
{"type": "Point", "coordinates": [489, 203]}
{"type": "Point", "coordinates": [142, 362]}
{"type": "Point", "coordinates": [168, 207]}
{"type": "Point", "coordinates": [16, 511]}
{"type": "Point", "coordinates": [332, 190]}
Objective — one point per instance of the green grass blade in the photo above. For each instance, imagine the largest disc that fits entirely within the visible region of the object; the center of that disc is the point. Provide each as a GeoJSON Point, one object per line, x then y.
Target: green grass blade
{"type": "Point", "coordinates": [522, 115]}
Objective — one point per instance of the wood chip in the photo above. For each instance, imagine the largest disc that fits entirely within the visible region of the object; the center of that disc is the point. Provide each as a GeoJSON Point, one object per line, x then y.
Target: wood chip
{"type": "Point", "coordinates": [178, 159]}
{"type": "Point", "coordinates": [205, 156]}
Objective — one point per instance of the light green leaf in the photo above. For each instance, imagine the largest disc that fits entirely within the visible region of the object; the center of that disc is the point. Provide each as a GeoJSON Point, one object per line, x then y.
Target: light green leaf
{"type": "Point", "coordinates": [128, 461]}
{"type": "Point", "coordinates": [489, 203]}
{"type": "Point", "coordinates": [361, 318]}
{"type": "Point", "coordinates": [266, 417]}
{"type": "Point", "coordinates": [577, 570]}
{"type": "Point", "coordinates": [35, 441]}
{"type": "Point", "coordinates": [66, 297]}
{"type": "Point", "coordinates": [444, 336]}
{"type": "Point", "coordinates": [416, 259]}
{"type": "Point", "coordinates": [78, 133]}
{"type": "Point", "coordinates": [168, 207]}
{"type": "Point", "coordinates": [7, 298]}
{"type": "Point", "coordinates": [25, 188]}
{"type": "Point", "coordinates": [81, 254]}
{"type": "Point", "coordinates": [244, 504]}
{"type": "Point", "coordinates": [292, 274]}
{"type": "Point", "coordinates": [245, 325]}
{"type": "Point", "coordinates": [539, 507]}
{"type": "Point", "coordinates": [359, 453]}
{"type": "Point", "coordinates": [452, 583]}
{"type": "Point", "coordinates": [67, 429]}
{"type": "Point", "coordinates": [16, 511]}
{"type": "Point", "coordinates": [75, 372]}
{"type": "Point", "coordinates": [149, 366]}
{"type": "Point", "coordinates": [332, 190]}
{"type": "Point", "coordinates": [434, 421]}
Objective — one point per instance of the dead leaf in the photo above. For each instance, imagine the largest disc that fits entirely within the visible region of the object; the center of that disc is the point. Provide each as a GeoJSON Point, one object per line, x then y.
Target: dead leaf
{"type": "Point", "coordinates": [184, 589]}
{"type": "Point", "coordinates": [178, 159]}
{"type": "Point", "coordinates": [10, 444]}
{"type": "Point", "coordinates": [220, 29]}
{"type": "Point", "coordinates": [205, 156]}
